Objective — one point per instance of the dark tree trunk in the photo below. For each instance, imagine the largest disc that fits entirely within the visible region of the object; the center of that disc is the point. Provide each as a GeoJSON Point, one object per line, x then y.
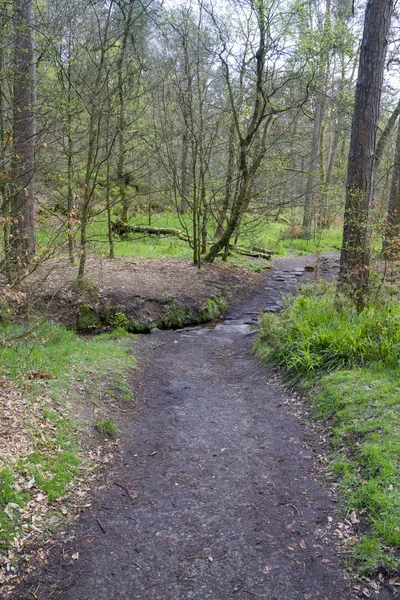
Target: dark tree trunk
{"type": "Point", "coordinates": [355, 255]}
{"type": "Point", "coordinates": [229, 180]}
{"type": "Point", "coordinates": [122, 125]}
{"type": "Point", "coordinates": [315, 178]}
{"type": "Point", "coordinates": [22, 201]}
{"type": "Point", "coordinates": [392, 242]}
{"type": "Point", "coordinates": [381, 144]}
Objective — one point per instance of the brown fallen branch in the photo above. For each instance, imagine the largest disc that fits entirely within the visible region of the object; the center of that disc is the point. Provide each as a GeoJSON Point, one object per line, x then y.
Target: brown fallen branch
{"type": "Point", "coordinates": [121, 228]}
{"type": "Point", "coordinates": [252, 252]}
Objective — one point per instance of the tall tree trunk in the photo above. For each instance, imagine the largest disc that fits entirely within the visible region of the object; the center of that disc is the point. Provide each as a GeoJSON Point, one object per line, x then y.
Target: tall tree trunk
{"type": "Point", "coordinates": [121, 176]}
{"type": "Point", "coordinates": [246, 171]}
{"type": "Point", "coordinates": [228, 183]}
{"type": "Point", "coordinates": [70, 151]}
{"type": "Point", "coordinates": [184, 186]}
{"type": "Point", "coordinates": [315, 180]}
{"type": "Point", "coordinates": [355, 255]}
{"type": "Point", "coordinates": [381, 143]}
{"type": "Point", "coordinates": [4, 192]}
{"type": "Point", "coordinates": [392, 241]}
{"type": "Point", "coordinates": [23, 167]}
{"type": "Point", "coordinates": [92, 147]}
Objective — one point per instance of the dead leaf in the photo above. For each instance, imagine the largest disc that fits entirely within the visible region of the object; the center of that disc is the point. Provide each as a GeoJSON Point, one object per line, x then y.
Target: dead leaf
{"type": "Point", "coordinates": [302, 544]}
{"type": "Point", "coordinates": [267, 570]}
{"type": "Point", "coordinates": [75, 556]}
{"type": "Point", "coordinates": [366, 592]}
{"type": "Point", "coordinates": [353, 518]}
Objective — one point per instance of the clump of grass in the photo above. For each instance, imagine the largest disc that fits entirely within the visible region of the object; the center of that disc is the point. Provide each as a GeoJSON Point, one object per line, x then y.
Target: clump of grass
{"type": "Point", "coordinates": [351, 363]}
{"type": "Point", "coordinates": [108, 427]}
{"type": "Point", "coordinates": [318, 333]}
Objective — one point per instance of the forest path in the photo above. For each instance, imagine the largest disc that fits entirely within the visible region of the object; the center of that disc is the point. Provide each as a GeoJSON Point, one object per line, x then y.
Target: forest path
{"type": "Point", "coordinates": [214, 495]}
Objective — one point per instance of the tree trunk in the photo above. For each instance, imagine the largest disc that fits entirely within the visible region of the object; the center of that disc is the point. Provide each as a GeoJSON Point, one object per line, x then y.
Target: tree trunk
{"type": "Point", "coordinates": [70, 160]}
{"type": "Point", "coordinates": [381, 144]}
{"type": "Point", "coordinates": [315, 177]}
{"type": "Point", "coordinates": [391, 246]}
{"type": "Point", "coordinates": [247, 173]}
{"type": "Point", "coordinates": [4, 191]}
{"type": "Point", "coordinates": [23, 167]}
{"type": "Point", "coordinates": [121, 177]}
{"type": "Point", "coordinates": [355, 255]}
{"type": "Point", "coordinates": [228, 184]}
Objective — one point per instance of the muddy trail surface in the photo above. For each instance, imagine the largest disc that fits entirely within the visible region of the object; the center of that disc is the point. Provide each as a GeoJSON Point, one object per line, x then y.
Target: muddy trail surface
{"type": "Point", "coordinates": [214, 495]}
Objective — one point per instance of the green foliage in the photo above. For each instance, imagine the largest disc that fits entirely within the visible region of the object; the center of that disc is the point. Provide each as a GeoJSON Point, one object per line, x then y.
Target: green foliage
{"type": "Point", "coordinates": [214, 308]}
{"type": "Point", "coordinates": [108, 427]}
{"type": "Point", "coordinates": [356, 357]}
{"type": "Point", "coordinates": [178, 315]}
{"type": "Point", "coordinates": [120, 389]}
{"type": "Point", "coordinates": [318, 333]}
{"type": "Point", "coordinates": [120, 320]}
{"type": "Point", "coordinates": [88, 317]}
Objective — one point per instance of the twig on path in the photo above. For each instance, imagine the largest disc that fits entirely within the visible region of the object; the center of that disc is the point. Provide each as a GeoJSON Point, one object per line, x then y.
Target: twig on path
{"type": "Point", "coordinates": [251, 593]}
{"type": "Point", "coordinates": [123, 487]}
{"type": "Point", "coordinates": [294, 508]}
{"type": "Point", "coordinates": [101, 525]}
{"type": "Point", "coordinates": [34, 593]}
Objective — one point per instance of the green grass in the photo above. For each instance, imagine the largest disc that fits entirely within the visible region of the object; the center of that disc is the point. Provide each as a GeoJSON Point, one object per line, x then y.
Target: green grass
{"type": "Point", "coordinates": [54, 462]}
{"type": "Point", "coordinates": [254, 232]}
{"type": "Point", "coordinates": [108, 427]}
{"type": "Point", "coordinates": [351, 363]}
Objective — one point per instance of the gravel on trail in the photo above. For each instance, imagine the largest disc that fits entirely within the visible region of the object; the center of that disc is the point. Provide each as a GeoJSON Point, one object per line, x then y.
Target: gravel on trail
{"type": "Point", "coordinates": [215, 493]}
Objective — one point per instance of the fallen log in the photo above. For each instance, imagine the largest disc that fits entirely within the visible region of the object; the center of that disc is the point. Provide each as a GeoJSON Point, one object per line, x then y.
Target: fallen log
{"type": "Point", "coordinates": [121, 228]}
{"type": "Point", "coordinates": [252, 252]}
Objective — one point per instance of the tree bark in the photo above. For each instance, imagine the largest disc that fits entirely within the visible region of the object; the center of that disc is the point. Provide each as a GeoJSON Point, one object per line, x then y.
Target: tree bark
{"type": "Point", "coordinates": [228, 183]}
{"type": "Point", "coordinates": [315, 178]}
{"type": "Point", "coordinates": [23, 167]}
{"type": "Point", "coordinates": [381, 144]}
{"type": "Point", "coordinates": [355, 255]}
{"type": "Point", "coordinates": [392, 243]}
{"type": "Point", "coordinates": [121, 177]}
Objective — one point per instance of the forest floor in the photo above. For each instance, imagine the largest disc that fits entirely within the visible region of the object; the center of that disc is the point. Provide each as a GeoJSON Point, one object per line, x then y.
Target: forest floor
{"type": "Point", "coordinates": [218, 488]}
{"type": "Point", "coordinates": [142, 289]}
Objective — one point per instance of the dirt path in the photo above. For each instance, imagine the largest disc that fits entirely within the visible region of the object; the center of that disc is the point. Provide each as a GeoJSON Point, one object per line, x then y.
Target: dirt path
{"type": "Point", "coordinates": [214, 495]}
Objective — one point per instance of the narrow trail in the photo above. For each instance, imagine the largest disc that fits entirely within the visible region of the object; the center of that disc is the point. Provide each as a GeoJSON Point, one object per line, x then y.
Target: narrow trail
{"type": "Point", "coordinates": [214, 495]}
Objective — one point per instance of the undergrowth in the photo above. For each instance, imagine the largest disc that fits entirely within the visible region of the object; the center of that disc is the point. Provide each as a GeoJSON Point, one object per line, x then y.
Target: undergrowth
{"type": "Point", "coordinates": [351, 363]}
{"type": "Point", "coordinates": [46, 365]}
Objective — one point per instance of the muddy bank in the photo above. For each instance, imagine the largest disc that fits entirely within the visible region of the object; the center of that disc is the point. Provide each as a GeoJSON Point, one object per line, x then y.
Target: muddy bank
{"type": "Point", "coordinates": [137, 294]}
